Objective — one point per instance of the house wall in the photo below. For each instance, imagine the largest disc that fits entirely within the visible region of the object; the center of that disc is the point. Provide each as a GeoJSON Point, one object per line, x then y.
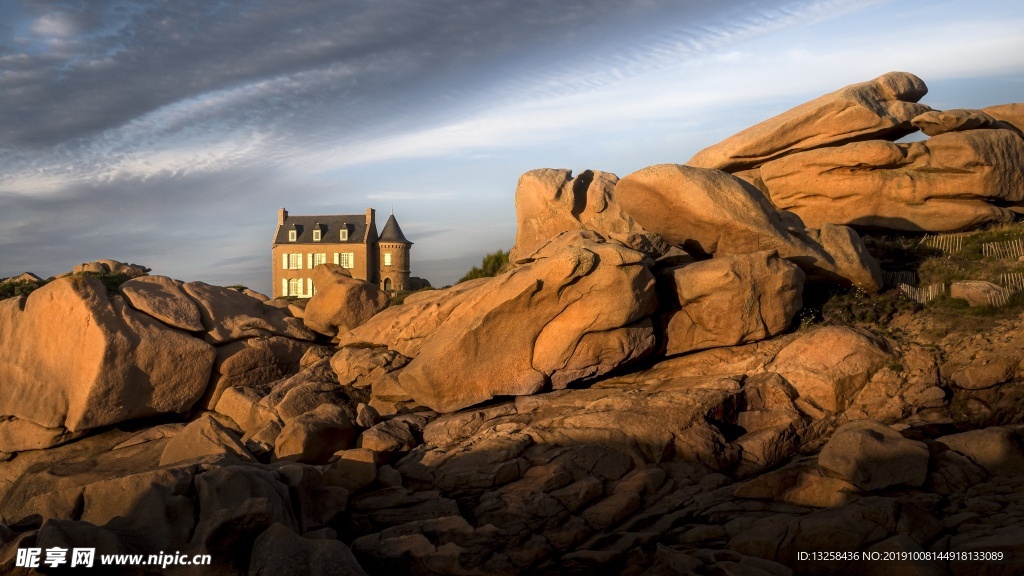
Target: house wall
{"type": "Point", "coordinates": [363, 257]}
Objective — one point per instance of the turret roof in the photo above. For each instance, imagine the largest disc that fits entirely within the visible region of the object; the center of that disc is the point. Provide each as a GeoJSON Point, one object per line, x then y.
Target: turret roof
{"type": "Point", "coordinates": [392, 232]}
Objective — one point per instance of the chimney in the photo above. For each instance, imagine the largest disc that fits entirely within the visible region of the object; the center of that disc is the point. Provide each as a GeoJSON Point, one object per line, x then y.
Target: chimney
{"type": "Point", "coordinates": [282, 215]}
{"type": "Point", "coordinates": [369, 216]}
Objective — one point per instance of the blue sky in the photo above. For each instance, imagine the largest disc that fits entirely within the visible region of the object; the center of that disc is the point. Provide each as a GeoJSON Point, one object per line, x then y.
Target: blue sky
{"type": "Point", "coordinates": [169, 133]}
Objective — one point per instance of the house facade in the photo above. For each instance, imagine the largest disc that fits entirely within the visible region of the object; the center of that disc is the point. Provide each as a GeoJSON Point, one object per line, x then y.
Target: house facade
{"type": "Point", "coordinates": [348, 240]}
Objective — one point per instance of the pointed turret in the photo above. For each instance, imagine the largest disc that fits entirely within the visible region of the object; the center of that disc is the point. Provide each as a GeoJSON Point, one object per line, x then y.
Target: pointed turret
{"type": "Point", "coordinates": [392, 232]}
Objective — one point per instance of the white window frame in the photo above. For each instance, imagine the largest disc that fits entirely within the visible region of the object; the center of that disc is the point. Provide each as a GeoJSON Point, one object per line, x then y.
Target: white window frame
{"type": "Point", "coordinates": [319, 259]}
{"type": "Point", "coordinates": [316, 235]}
{"type": "Point", "coordinates": [294, 261]}
{"type": "Point", "coordinates": [387, 258]}
{"type": "Point", "coordinates": [347, 260]}
{"type": "Point", "coordinates": [294, 287]}
{"type": "Point", "coordinates": [343, 235]}
{"type": "Point", "coordinates": [292, 235]}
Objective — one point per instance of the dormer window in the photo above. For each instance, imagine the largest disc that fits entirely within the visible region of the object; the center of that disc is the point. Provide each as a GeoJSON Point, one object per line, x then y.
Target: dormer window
{"type": "Point", "coordinates": [316, 232]}
{"type": "Point", "coordinates": [343, 235]}
{"type": "Point", "coordinates": [292, 235]}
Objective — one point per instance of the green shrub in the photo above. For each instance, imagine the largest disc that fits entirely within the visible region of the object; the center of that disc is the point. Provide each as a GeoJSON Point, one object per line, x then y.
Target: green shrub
{"type": "Point", "coordinates": [492, 265]}
{"type": "Point", "coordinates": [111, 280]}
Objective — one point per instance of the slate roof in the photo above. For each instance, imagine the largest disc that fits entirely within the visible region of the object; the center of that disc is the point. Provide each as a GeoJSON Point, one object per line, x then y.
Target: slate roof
{"type": "Point", "coordinates": [392, 232]}
{"type": "Point", "coordinates": [330, 227]}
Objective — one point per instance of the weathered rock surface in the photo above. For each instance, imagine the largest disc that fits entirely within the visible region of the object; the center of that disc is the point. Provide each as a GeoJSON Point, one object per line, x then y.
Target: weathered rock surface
{"type": "Point", "coordinates": [107, 266]}
{"type": "Point", "coordinates": [576, 311]}
{"type": "Point", "coordinates": [163, 298]}
{"type": "Point", "coordinates": [341, 302]}
{"type": "Point", "coordinates": [937, 122]}
{"type": "Point", "coordinates": [830, 365]}
{"type": "Point", "coordinates": [228, 315]}
{"type": "Point", "coordinates": [880, 108]}
{"type": "Point", "coordinates": [1008, 115]}
{"type": "Point", "coordinates": [732, 300]}
{"type": "Point", "coordinates": [873, 456]}
{"type": "Point", "coordinates": [977, 292]}
{"type": "Point", "coordinates": [551, 201]}
{"type": "Point", "coordinates": [77, 360]}
{"type": "Point", "coordinates": [947, 182]}
{"type": "Point", "coordinates": [316, 435]}
{"type": "Point", "coordinates": [711, 212]}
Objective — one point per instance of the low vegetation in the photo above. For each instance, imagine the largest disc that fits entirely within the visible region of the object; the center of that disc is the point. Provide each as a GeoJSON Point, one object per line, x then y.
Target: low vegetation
{"type": "Point", "coordinates": [493, 264]}
{"type": "Point", "coordinates": [931, 265]}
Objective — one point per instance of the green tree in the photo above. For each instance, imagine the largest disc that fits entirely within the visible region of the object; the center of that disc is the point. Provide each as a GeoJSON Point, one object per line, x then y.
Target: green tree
{"type": "Point", "coordinates": [492, 265]}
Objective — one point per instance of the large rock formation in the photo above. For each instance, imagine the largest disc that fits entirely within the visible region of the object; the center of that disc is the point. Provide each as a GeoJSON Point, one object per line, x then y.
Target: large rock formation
{"type": "Point", "coordinates": [550, 201]}
{"type": "Point", "coordinates": [947, 182]}
{"type": "Point", "coordinates": [577, 310]}
{"type": "Point", "coordinates": [711, 212]}
{"type": "Point", "coordinates": [75, 359]}
{"type": "Point", "coordinates": [732, 300]}
{"type": "Point", "coordinates": [880, 108]}
{"type": "Point", "coordinates": [341, 302]}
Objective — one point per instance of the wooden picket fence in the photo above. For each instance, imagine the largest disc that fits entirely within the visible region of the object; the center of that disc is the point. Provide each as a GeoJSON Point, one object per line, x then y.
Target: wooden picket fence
{"type": "Point", "coordinates": [1011, 250]}
{"type": "Point", "coordinates": [947, 243]}
{"type": "Point", "coordinates": [924, 294]}
{"type": "Point", "coordinates": [1012, 282]}
{"type": "Point", "coordinates": [894, 279]}
{"type": "Point", "coordinates": [998, 299]}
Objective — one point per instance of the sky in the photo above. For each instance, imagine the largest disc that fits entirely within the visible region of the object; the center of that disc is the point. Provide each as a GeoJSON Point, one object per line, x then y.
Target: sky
{"type": "Point", "coordinates": [168, 134]}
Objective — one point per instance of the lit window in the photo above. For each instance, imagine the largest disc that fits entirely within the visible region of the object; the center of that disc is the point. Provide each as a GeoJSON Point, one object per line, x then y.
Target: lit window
{"type": "Point", "coordinates": [387, 258]}
{"type": "Point", "coordinates": [295, 261]}
{"type": "Point", "coordinates": [294, 287]}
{"type": "Point", "coordinates": [344, 234]}
{"type": "Point", "coordinates": [292, 235]}
{"type": "Point", "coordinates": [316, 235]}
{"type": "Point", "coordinates": [319, 259]}
{"type": "Point", "coordinates": [345, 259]}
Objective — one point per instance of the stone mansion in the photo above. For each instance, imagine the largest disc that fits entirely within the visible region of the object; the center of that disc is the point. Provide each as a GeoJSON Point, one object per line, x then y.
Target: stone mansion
{"type": "Point", "coordinates": [348, 240]}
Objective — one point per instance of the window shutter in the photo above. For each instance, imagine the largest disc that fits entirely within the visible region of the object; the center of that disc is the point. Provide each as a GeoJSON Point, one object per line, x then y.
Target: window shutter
{"type": "Point", "coordinates": [337, 257]}
{"type": "Point", "coordinates": [309, 260]}
{"type": "Point", "coordinates": [284, 287]}
{"type": "Point", "coordinates": [284, 261]}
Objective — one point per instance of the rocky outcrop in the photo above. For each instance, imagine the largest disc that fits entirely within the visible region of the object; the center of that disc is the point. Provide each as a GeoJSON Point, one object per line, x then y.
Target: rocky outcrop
{"type": "Point", "coordinates": [228, 315]}
{"type": "Point", "coordinates": [880, 108]}
{"type": "Point", "coordinates": [948, 182]}
{"type": "Point", "coordinates": [341, 302]}
{"type": "Point", "coordinates": [760, 292]}
{"type": "Point", "coordinates": [549, 202]}
{"type": "Point", "coordinates": [163, 298]}
{"type": "Point", "coordinates": [576, 311]}
{"type": "Point", "coordinates": [107, 266]}
{"type": "Point", "coordinates": [711, 212]}
{"type": "Point", "coordinates": [829, 366]}
{"type": "Point", "coordinates": [75, 359]}
{"type": "Point", "coordinates": [935, 122]}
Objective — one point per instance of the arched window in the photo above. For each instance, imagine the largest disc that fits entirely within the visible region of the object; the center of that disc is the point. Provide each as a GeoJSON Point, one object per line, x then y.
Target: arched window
{"type": "Point", "coordinates": [387, 284]}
